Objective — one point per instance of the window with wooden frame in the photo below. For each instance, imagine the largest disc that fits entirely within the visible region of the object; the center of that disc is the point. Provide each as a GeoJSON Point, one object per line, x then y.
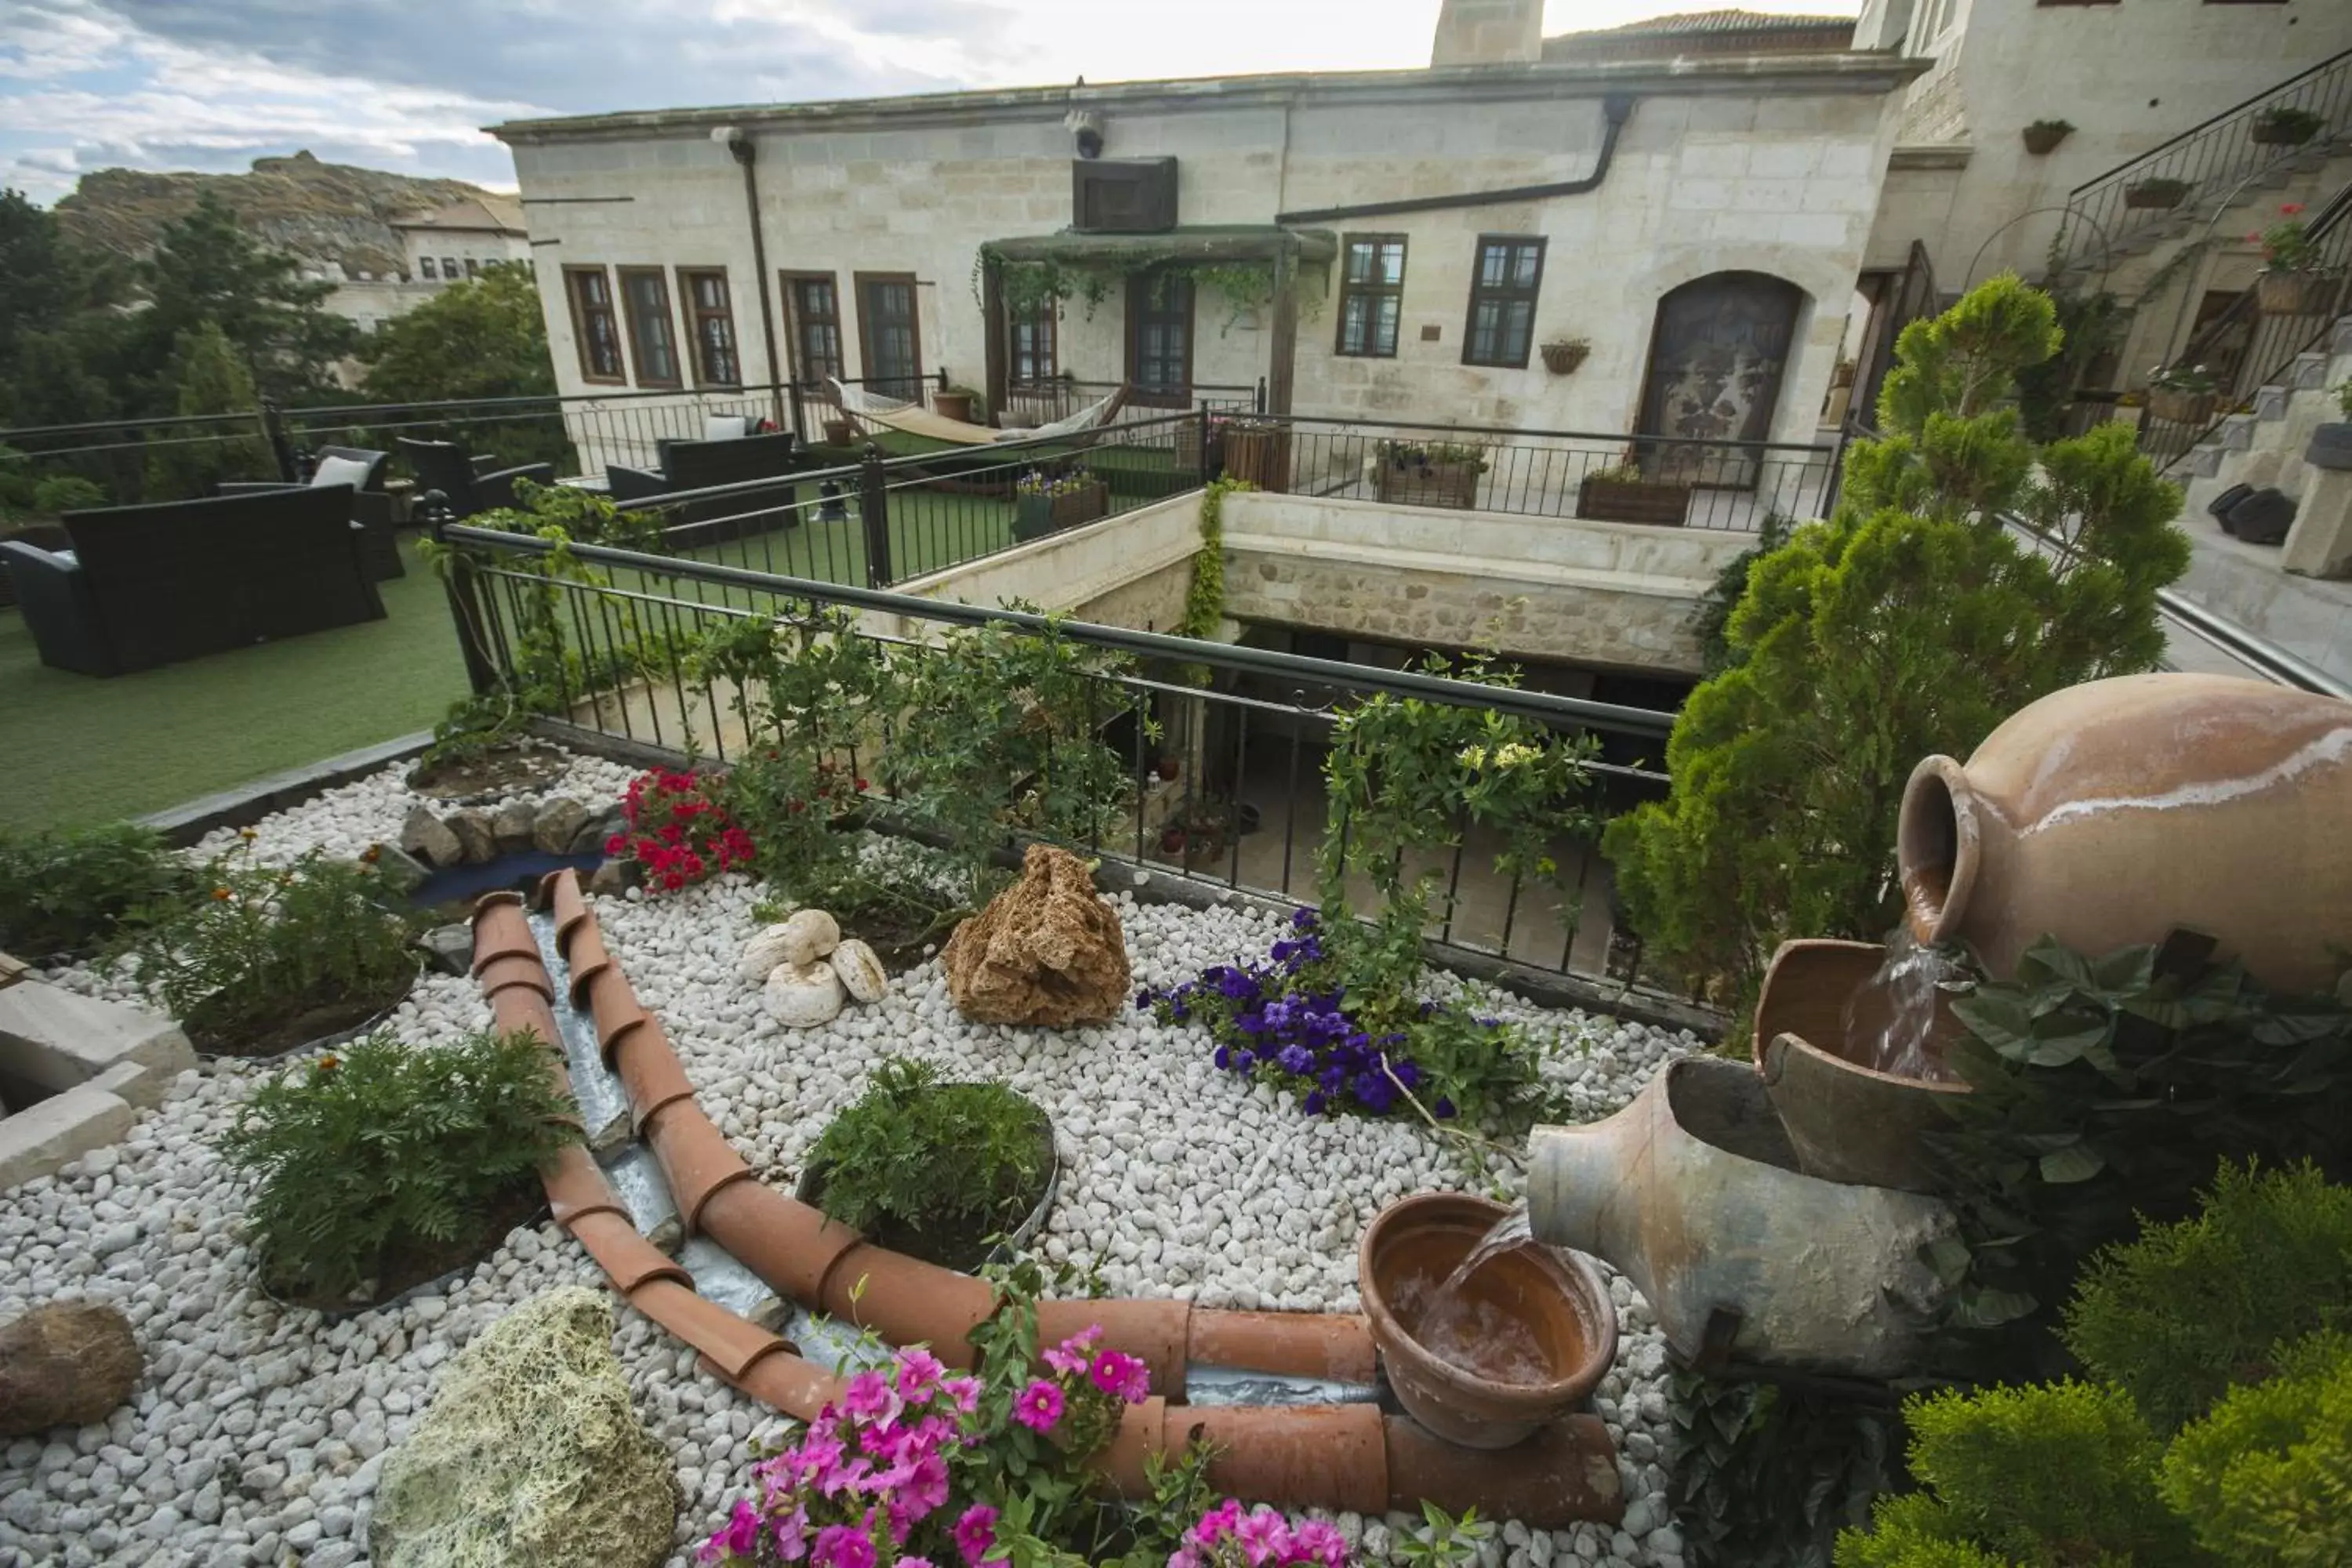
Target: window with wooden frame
{"type": "Point", "coordinates": [1160, 339]}
{"type": "Point", "coordinates": [653, 340]}
{"type": "Point", "coordinates": [1371, 295]}
{"type": "Point", "coordinates": [889, 335]}
{"type": "Point", "coordinates": [425, 267]}
{"type": "Point", "coordinates": [473, 267]}
{"type": "Point", "coordinates": [1503, 289]}
{"type": "Point", "coordinates": [595, 329]}
{"type": "Point", "coordinates": [813, 326]}
{"type": "Point", "coordinates": [1035, 349]}
{"type": "Point", "coordinates": [711, 325]}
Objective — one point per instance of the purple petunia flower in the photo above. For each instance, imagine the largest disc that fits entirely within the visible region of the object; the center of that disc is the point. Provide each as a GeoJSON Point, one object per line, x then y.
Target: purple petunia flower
{"type": "Point", "coordinates": [1296, 1058]}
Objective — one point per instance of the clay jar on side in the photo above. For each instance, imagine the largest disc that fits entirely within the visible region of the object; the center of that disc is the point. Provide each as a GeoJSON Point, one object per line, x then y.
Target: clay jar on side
{"type": "Point", "coordinates": [1410, 1249]}
{"type": "Point", "coordinates": [2112, 813]}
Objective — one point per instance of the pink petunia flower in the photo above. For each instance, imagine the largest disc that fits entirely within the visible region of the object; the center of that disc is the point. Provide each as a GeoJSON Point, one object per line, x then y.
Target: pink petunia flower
{"type": "Point", "coordinates": [1314, 1540]}
{"type": "Point", "coordinates": [1264, 1536]}
{"type": "Point", "coordinates": [926, 1489]}
{"type": "Point", "coordinates": [869, 1396]}
{"type": "Point", "coordinates": [1121, 1375]}
{"type": "Point", "coordinates": [975, 1532]}
{"type": "Point", "coordinates": [839, 1546]}
{"type": "Point", "coordinates": [1039, 1407]}
{"type": "Point", "coordinates": [964, 1391]}
{"type": "Point", "coordinates": [791, 1533]}
{"type": "Point", "coordinates": [919, 1375]}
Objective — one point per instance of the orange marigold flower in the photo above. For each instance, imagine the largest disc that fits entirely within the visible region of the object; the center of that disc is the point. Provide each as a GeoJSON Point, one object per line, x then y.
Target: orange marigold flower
{"type": "Point", "coordinates": [222, 894]}
{"type": "Point", "coordinates": [372, 854]}
{"type": "Point", "coordinates": [329, 1064]}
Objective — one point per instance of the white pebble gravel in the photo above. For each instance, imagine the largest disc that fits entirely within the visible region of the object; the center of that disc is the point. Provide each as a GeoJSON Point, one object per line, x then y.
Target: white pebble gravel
{"type": "Point", "coordinates": [259, 1432]}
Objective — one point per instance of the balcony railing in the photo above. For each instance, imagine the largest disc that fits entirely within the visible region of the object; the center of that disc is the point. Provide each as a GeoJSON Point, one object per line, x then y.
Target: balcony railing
{"type": "Point", "coordinates": [1251, 806]}
{"type": "Point", "coordinates": [2213, 159]}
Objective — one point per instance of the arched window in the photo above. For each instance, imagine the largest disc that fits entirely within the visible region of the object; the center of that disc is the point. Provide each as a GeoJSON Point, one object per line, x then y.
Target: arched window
{"type": "Point", "coordinates": [1717, 355]}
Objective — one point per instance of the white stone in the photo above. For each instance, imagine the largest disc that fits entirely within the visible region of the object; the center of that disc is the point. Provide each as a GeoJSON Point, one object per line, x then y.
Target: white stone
{"type": "Point", "coordinates": [805, 997]}
{"type": "Point", "coordinates": [763, 953]}
{"type": "Point", "coordinates": [809, 935]}
{"type": "Point", "coordinates": [861, 970]}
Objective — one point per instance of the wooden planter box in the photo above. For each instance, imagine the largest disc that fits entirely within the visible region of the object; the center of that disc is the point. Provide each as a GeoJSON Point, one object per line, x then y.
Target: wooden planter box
{"type": "Point", "coordinates": [1633, 501]}
{"type": "Point", "coordinates": [2154, 194]}
{"type": "Point", "coordinates": [1034, 517]}
{"type": "Point", "coordinates": [2296, 293]}
{"type": "Point", "coordinates": [1262, 458]}
{"type": "Point", "coordinates": [2177, 407]}
{"type": "Point", "coordinates": [1452, 485]}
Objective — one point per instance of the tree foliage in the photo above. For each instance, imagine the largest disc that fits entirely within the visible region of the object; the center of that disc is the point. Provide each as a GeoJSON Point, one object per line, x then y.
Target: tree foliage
{"type": "Point", "coordinates": [1913, 621]}
{"type": "Point", "coordinates": [482, 338]}
{"type": "Point", "coordinates": [212, 380]}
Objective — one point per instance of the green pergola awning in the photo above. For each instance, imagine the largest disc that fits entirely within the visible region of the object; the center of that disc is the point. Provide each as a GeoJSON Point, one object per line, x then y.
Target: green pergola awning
{"type": "Point", "coordinates": [1210, 243]}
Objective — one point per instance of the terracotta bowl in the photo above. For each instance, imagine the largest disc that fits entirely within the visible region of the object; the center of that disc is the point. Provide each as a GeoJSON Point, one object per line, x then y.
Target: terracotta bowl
{"type": "Point", "coordinates": [1554, 1294]}
{"type": "Point", "coordinates": [1848, 1122]}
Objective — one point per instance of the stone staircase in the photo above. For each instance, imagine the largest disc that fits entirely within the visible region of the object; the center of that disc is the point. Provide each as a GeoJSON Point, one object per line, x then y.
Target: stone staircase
{"type": "Point", "coordinates": [2145, 265]}
{"type": "Point", "coordinates": [2283, 593]}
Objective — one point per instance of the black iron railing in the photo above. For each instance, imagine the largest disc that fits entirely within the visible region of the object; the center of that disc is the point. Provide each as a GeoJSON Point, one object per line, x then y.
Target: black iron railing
{"type": "Point", "coordinates": [1245, 813]}
{"type": "Point", "coordinates": [2255, 343]}
{"type": "Point", "coordinates": [1678, 482]}
{"type": "Point", "coordinates": [883, 520]}
{"type": "Point", "coordinates": [2206, 164]}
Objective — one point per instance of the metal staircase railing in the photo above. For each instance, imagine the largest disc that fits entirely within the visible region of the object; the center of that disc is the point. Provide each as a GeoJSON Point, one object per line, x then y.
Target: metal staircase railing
{"type": "Point", "coordinates": [2259, 346]}
{"type": "Point", "coordinates": [2212, 159]}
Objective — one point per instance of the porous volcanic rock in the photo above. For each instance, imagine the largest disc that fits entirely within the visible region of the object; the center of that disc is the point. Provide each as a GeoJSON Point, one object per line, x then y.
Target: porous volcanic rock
{"type": "Point", "coordinates": [1046, 951]}
{"type": "Point", "coordinates": [68, 1364]}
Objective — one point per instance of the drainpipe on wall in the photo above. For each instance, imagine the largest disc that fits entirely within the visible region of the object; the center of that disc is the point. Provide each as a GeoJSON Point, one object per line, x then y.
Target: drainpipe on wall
{"type": "Point", "coordinates": [739, 147]}
{"type": "Point", "coordinates": [1618, 106]}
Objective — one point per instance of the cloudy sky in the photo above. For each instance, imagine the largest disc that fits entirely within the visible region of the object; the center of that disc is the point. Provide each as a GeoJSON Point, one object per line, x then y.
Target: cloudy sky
{"type": "Point", "coordinates": [406, 84]}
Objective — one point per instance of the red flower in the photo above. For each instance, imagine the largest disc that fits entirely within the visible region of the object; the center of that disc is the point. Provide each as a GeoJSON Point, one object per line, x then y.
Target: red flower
{"type": "Point", "coordinates": [616, 844]}
{"type": "Point", "coordinates": [672, 833]}
{"type": "Point", "coordinates": [672, 880]}
{"type": "Point", "coordinates": [2291, 208]}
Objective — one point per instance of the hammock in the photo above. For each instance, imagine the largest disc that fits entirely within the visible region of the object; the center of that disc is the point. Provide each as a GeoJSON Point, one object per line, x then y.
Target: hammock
{"type": "Point", "coordinates": [913, 419]}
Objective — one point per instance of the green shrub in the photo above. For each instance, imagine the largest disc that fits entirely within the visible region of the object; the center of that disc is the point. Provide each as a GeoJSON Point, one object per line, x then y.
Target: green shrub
{"type": "Point", "coordinates": [388, 1156]}
{"type": "Point", "coordinates": [951, 1162]}
{"type": "Point", "coordinates": [2046, 1476]}
{"type": "Point", "coordinates": [72, 893]}
{"type": "Point", "coordinates": [2267, 1479]}
{"type": "Point", "coordinates": [62, 494]}
{"type": "Point", "coordinates": [266, 949]}
{"type": "Point", "coordinates": [1912, 622]}
{"type": "Point", "coordinates": [2188, 1309]}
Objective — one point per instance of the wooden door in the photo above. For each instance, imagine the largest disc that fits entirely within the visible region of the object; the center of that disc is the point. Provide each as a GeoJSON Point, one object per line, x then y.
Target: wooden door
{"type": "Point", "coordinates": [1716, 356]}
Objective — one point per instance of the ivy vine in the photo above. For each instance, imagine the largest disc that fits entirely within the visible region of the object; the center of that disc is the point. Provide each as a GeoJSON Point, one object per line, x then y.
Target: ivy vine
{"type": "Point", "coordinates": [1029, 286]}
{"type": "Point", "coordinates": [1204, 597]}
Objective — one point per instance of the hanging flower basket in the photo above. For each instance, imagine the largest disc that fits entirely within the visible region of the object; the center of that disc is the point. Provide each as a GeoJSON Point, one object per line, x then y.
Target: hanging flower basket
{"type": "Point", "coordinates": [1561, 358]}
{"type": "Point", "coordinates": [2296, 293]}
{"type": "Point", "coordinates": [2177, 407]}
{"type": "Point", "coordinates": [2155, 194]}
{"type": "Point", "coordinates": [2284, 127]}
{"type": "Point", "coordinates": [2044, 136]}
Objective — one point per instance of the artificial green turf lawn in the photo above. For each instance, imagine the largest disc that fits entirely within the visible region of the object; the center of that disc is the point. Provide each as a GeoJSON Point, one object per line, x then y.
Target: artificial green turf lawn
{"type": "Point", "coordinates": [80, 749]}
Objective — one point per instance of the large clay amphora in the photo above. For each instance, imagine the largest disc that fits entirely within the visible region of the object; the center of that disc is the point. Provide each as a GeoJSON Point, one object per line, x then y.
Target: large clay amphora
{"type": "Point", "coordinates": [2112, 813]}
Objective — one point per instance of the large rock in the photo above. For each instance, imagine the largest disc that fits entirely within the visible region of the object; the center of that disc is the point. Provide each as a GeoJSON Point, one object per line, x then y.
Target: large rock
{"type": "Point", "coordinates": [428, 838]}
{"type": "Point", "coordinates": [69, 1364]}
{"type": "Point", "coordinates": [474, 835]}
{"type": "Point", "coordinates": [529, 1454]}
{"type": "Point", "coordinates": [512, 825]}
{"type": "Point", "coordinates": [1046, 950]}
{"type": "Point", "coordinates": [559, 820]}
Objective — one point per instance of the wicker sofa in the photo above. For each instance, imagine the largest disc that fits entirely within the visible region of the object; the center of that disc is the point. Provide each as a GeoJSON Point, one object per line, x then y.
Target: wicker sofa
{"type": "Point", "coordinates": [363, 470]}
{"type": "Point", "coordinates": [703, 465]}
{"type": "Point", "coordinates": [149, 585]}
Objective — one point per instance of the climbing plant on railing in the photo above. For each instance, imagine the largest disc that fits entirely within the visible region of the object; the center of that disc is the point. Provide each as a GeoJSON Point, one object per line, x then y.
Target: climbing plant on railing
{"type": "Point", "coordinates": [1205, 596]}
{"type": "Point", "coordinates": [1244, 286]}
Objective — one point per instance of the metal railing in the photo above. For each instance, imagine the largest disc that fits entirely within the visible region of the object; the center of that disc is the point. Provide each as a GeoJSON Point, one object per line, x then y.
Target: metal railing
{"type": "Point", "coordinates": [2213, 159]}
{"type": "Point", "coordinates": [884, 521]}
{"type": "Point", "coordinates": [1669, 480]}
{"type": "Point", "coordinates": [2254, 345]}
{"type": "Point", "coordinates": [1245, 814]}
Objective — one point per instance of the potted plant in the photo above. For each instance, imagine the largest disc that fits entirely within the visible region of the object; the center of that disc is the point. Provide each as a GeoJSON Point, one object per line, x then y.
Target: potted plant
{"type": "Point", "coordinates": [1620, 494]}
{"type": "Point", "coordinates": [387, 1165]}
{"type": "Point", "coordinates": [1429, 473]}
{"type": "Point", "coordinates": [2331, 444]}
{"type": "Point", "coordinates": [2285, 126]}
{"type": "Point", "coordinates": [1562, 355]}
{"type": "Point", "coordinates": [2293, 280]}
{"type": "Point", "coordinates": [1047, 503]}
{"type": "Point", "coordinates": [1257, 451]}
{"type": "Point", "coordinates": [936, 1170]}
{"type": "Point", "coordinates": [2162, 192]}
{"type": "Point", "coordinates": [2044, 136]}
{"type": "Point", "coordinates": [960, 404]}
{"type": "Point", "coordinates": [2183, 394]}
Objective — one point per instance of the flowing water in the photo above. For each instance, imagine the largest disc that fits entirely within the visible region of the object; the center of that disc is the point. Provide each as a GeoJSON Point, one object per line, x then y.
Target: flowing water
{"type": "Point", "coordinates": [1891, 1017]}
{"type": "Point", "coordinates": [1467, 1330]}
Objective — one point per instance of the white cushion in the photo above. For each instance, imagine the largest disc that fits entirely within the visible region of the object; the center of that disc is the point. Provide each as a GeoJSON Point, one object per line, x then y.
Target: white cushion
{"type": "Point", "coordinates": [341, 471]}
{"type": "Point", "coordinates": [725, 426]}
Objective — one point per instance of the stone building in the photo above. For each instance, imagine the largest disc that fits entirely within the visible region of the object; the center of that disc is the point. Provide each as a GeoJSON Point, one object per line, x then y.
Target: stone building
{"type": "Point", "coordinates": [457, 241]}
